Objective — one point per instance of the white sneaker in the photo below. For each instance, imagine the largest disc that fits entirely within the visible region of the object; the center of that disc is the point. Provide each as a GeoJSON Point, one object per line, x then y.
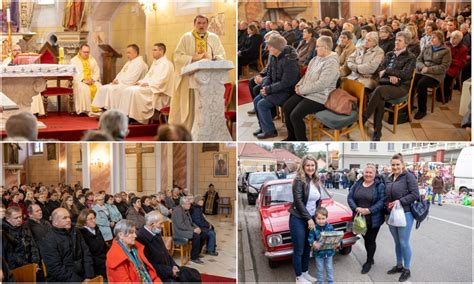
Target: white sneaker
{"type": "Point", "coordinates": [301, 279]}
{"type": "Point", "coordinates": [308, 277]}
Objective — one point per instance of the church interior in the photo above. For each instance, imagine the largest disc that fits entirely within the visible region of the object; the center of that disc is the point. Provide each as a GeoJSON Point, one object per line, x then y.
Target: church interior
{"type": "Point", "coordinates": [141, 169]}
{"type": "Point", "coordinates": [59, 28]}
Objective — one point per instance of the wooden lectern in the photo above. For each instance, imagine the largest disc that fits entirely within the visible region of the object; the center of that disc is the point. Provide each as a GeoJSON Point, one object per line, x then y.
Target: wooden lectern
{"type": "Point", "coordinates": [110, 59]}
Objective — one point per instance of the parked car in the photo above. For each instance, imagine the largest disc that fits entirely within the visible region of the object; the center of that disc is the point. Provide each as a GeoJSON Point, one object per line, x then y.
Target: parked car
{"type": "Point", "coordinates": [254, 182]}
{"type": "Point", "coordinates": [275, 199]}
{"type": "Point", "coordinates": [242, 181]}
{"type": "Point", "coordinates": [463, 173]}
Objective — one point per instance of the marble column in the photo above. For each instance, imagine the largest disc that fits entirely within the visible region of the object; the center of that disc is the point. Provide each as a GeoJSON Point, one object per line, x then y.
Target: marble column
{"type": "Point", "coordinates": [2, 177]}
{"type": "Point", "coordinates": [169, 153]}
{"type": "Point", "coordinates": [118, 173]}
{"type": "Point", "coordinates": [158, 167]}
{"type": "Point", "coordinates": [86, 173]}
{"type": "Point", "coordinates": [189, 168]}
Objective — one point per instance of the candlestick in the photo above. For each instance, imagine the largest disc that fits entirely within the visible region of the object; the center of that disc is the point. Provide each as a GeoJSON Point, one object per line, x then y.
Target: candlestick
{"type": "Point", "coordinates": [61, 55]}
{"type": "Point", "coordinates": [8, 15]}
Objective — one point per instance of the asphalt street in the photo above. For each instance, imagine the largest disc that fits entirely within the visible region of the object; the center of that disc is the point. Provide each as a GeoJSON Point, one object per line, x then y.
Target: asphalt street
{"type": "Point", "coordinates": [442, 250]}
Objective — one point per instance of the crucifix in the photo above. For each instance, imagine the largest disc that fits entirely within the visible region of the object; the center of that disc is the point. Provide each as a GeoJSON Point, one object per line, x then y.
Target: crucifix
{"type": "Point", "coordinates": [139, 150]}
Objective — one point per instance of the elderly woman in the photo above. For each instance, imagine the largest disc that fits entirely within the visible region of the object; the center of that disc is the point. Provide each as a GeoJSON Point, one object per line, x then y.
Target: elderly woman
{"type": "Point", "coordinates": [126, 261]}
{"type": "Point", "coordinates": [86, 223]}
{"type": "Point", "coordinates": [386, 42]}
{"type": "Point", "coordinates": [364, 30]}
{"type": "Point", "coordinates": [367, 198]}
{"type": "Point", "coordinates": [312, 90]}
{"type": "Point", "coordinates": [414, 44]}
{"type": "Point", "coordinates": [431, 67]}
{"type": "Point", "coordinates": [401, 189]}
{"type": "Point", "coordinates": [425, 40]}
{"type": "Point", "coordinates": [395, 75]}
{"type": "Point", "coordinates": [250, 50]}
{"type": "Point", "coordinates": [135, 213]}
{"type": "Point", "coordinates": [306, 199]}
{"type": "Point", "coordinates": [365, 61]}
{"type": "Point", "coordinates": [103, 219]}
{"type": "Point", "coordinates": [306, 45]}
{"type": "Point", "coordinates": [344, 48]}
{"type": "Point", "coordinates": [459, 58]}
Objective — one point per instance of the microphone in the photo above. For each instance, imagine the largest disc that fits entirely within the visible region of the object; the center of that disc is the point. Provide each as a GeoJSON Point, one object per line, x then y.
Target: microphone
{"type": "Point", "coordinates": [210, 46]}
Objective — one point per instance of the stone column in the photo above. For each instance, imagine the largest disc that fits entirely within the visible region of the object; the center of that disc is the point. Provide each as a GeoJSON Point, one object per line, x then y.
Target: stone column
{"type": "Point", "coordinates": [86, 173]}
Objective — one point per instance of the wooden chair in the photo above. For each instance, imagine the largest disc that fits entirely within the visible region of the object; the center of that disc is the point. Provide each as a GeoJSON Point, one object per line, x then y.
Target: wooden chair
{"type": "Point", "coordinates": [230, 115]}
{"type": "Point", "coordinates": [164, 115]}
{"type": "Point", "coordinates": [97, 280]}
{"type": "Point", "coordinates": [184, 247]}
{"type": "Point", "coordinates": [25, 273]}
{"type": "Point", "coordinates": [260, 65]}
{"type": "Point", "coordinates": [433, 95]}
{"type": "Point", "coordinates": [401, 103]}
{"type": "Point", "coordinates": [49, 56]}
{"type": "Point", "coordinates": [225, 207]}
{"type": "Point", "coordinates": [343, 124]}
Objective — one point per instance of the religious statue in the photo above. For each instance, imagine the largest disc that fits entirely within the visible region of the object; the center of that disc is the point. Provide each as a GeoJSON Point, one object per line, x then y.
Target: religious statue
{"type": "Point", "coordinates": [13, 153]}
{"type": "Point", "coordinates": [74, 16]}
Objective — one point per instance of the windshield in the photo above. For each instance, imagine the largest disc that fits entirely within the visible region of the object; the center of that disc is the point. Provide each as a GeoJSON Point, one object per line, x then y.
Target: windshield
{"type": "Point", "coordinates": [282, 193]}
{"type": "Point", "coordinates": [261, 178]}
{"type": "Point", "coordinates": [278, 193]}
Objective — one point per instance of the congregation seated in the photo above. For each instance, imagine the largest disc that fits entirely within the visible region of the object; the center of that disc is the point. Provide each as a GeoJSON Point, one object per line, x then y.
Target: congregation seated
{"type": "Point", "coordinates": [425, 40]}
{"type": "Point", "coordinates": [431, 67]}
{"type": "Point", "coordinates": [114, 123]}
{"type": "Point", "coordinates": [115, 214]}
{"type": "Point", "coordinates": [184, 228]}
{"type": "Point", "coordinates": [62, 265]}
{"type": "Point", "coordinates": [173, 200]}
{"type": "Point", "coordinates": [68, 204]}
{"type": "Point", "coordinates": [126, 261]}
{"type": "Point", "coordinates": [459, 54]}
{"type": "Point", "coordinates": [87, 226]}
{"type": "Point", "coordinates": [96, 135]}
{"type": "Point", "coordinates": [386, 39]}
{"type": "Point", "coordinates": [22, 127]}
{"type": "Point", "coordinates": [135, 212]}
{"type": "Point", "coordinates": [200, 220]}
{"type": "Point", "coordinates": [282, 75]}
{"type": "Point", "coordinates": [395, 76]}
{"type": "Point", "coordinates": [414, 44]}
{"type": "Point", "coordinates": [146, 204]}
{"type": "Point", "coordinates": [365, 61]}
{"type": "Point", "coordinates": [344, 48]}
{"type": "Point", "coordinates": [321, 32]}
{"type": "Point", "coordinates": [121, 203]}
{"type": "Point", "coordinates": [363, 31]}
{"type": "Point", "coordinates": [288, 33]}
{"type": "Point", "coordinates": [161, 205]}
{"type": "Point", "coordinates": [17, 201]}
{"type": "Point", "coordinates": [312, 90]}
{"type": "Point", "coordinates": [157, 254]}
{"type": "Point", "coordinates": [306, 45]}
{"type": "Point", "coordinates": [249, 52]}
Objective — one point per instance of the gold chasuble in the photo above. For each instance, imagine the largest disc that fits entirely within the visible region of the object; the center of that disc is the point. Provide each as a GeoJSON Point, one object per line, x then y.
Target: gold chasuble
{"type": "Point", "coordinates": [201, 43]}
{"type": "Point", "coordinates": [88, 76]}
{"type": "Point", "coordinates": [210, 203]}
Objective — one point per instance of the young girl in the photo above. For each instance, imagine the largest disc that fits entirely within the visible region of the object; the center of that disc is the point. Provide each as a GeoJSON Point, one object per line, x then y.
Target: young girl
{"type": "Point", "coordinates": [323, 257]}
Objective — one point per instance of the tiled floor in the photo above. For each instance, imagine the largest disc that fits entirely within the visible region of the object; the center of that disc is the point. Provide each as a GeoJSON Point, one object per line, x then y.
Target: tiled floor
{"type": "Point", "coordinates": [225, 263]}
{"type": "Point", "coordinates": [441, 125]}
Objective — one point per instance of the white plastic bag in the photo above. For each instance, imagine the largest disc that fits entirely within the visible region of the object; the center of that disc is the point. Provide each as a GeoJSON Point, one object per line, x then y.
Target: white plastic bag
{"type": "Point", "coordinates": [397, 216]}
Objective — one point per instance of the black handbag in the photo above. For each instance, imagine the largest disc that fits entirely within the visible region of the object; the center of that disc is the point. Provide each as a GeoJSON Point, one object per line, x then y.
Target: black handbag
{"type": "Point", "coordinates": [420, 209]}
{"type": "Point", "coordinates": [188, 274]}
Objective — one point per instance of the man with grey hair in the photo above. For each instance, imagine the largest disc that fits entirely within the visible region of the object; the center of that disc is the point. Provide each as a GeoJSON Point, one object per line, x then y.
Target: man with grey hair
{"type": "Point", "coordinates": [198, 218]}
{"type": "Point", "coordinates": [22, 127]}
{"type": "Point", "coordinates": [173, 200]}
{"type": "Point", "coordinates": [114, 123]}
{"type": "Point", "coordinates": [184, 228]}
{"type": "Point", "coordinates": [38, 226]}
{"type": "Point", "coordinates": [65, 253]}
{"type": "Point", "coordinates": [156, 252]}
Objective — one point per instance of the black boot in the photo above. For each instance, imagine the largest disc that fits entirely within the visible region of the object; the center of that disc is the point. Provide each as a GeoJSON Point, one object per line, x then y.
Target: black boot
{"type": "Point", "coordinates": [395, 269]}
{"type": "Point", "coordinates": [405, 275]}
{"type": "Point", "coordinates": [366, 267]}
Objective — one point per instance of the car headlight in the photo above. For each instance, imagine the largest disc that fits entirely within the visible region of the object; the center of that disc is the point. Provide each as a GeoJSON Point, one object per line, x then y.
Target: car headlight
{"type": "Point", "coordinates": [274, 240]}
{"type": "Point", "coordinates": [252, 190]}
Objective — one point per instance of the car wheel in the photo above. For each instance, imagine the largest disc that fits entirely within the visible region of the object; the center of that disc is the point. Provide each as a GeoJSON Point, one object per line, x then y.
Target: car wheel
{"type": "Point", "coordinates": [272, 263]}
{"type": "Point", "coordinates": [251, 199]}
{"type": "Point", "coordinates": [345, 250]}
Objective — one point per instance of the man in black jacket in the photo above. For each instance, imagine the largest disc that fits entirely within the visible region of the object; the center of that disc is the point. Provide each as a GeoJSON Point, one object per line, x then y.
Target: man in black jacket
{"type": "Point", "coordinates": [65, 254]}
{"type": "Point", "coordinates": [38, 226]}
{"type": "Point", "coordinates": [157, 254]}
{"type": "Point", "coordinates": [53, 201]}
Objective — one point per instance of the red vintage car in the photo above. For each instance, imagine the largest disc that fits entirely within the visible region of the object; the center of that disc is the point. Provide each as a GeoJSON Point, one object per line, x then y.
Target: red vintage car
{"type": "Point", "coordinates": [273, 203]}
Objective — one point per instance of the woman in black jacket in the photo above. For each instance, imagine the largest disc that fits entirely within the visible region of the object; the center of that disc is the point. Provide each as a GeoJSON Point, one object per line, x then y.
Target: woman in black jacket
{"type": "Point", "coordinates": [396, 72]}
{"type": "Point", "coordinates": [401, 188]}
{"type": "Point", "coordinates": [94, 240]}
{"type": "Point", "coordinates": [367, 198]}
{"type": "Point", "coordinates": [250, 50]}
{"type": "Point", "coordinates": [306, 199]}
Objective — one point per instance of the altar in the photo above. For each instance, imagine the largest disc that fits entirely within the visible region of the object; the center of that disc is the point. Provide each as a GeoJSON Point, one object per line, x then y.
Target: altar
{"type": "Point", "coordinates": [21, 82]}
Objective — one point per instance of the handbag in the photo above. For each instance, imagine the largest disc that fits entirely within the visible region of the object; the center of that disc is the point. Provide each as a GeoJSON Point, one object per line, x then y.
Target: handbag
{"type": "Point", "coordinates": [188, 274]}
{"type": "Point", "coordinates": [360, 224]}
{"type": "Point", "coordinates": [340, 102]}
{"type": "Point", "coordinates": [397, 216]}
{"type": "Point", "coordinates": [420, 209]}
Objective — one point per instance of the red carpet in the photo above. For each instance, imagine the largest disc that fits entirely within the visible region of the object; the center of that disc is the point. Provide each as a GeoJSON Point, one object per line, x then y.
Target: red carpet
{"type": "Point", "coordinates": [206, 278]}
{"type": "Point", "coordinates": [244, 92]}
{"type": "Point", "coordinates": [66, 127]}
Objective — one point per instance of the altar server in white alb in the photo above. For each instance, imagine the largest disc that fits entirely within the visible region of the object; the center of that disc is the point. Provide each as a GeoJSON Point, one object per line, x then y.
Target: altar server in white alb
{"type": "Point", "coordinates": [193, 46]}
{"type": "Point", "coordinates": [108, 96]}
{"type": "Point", "coordinates": [86, 82]}
{"type": "Point", "coordinates": [152, 92]}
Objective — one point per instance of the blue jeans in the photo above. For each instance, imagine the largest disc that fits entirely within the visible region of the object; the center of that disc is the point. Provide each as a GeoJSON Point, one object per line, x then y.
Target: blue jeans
{"type": "Point", "coordinates": [211, 241]}
{"type": "Point", "coordinates": [321, 264]}
{"type": "Point", "coordinates": [263, 109]}
{"type": "Point", "coordinates": [299, 236]}
{"type": "Point", "coordinates": [401, 236]}
{"type": "Point", "coordinates": [433, 198]}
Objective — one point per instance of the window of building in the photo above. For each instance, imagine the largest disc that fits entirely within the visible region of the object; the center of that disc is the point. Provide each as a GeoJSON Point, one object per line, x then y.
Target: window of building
{"type": "Point", "coordinates": [391, 147]}
{"type": "Point", "coordinates": [354, 146]}
{"type": "Point", "coordinates": [38, 148]}
{"type": "Point", "coordinates": [264, 168]}
{"type": "Point", "coordinates": [405, 146]}
{"type": "Point", "coordinates": [373, 147]}
{"type": "Point", "coordinates": [354, 166]}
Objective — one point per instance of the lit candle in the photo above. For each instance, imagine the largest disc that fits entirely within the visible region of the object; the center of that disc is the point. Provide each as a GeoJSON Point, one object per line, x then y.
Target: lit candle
{"type": "Point", "coordinates": [61, 52]}
{"type": "Point", "coordinates": [8, 16]}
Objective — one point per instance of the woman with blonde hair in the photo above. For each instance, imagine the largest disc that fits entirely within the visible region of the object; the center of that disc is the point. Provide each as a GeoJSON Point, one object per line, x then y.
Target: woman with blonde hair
{"type": "Point", "coordinates": [68, 204]}
{"type": "Point", "coordinates": [306, 199]}
{"type": "Point", "coordinates": [103, 218]}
